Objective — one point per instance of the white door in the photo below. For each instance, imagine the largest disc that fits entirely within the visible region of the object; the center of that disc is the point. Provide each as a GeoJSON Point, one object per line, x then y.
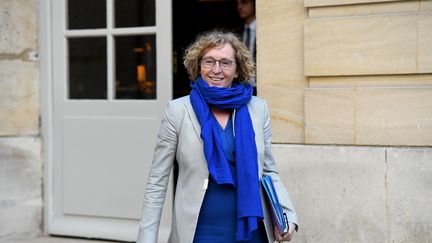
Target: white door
{"type": "Point", "coordinates": [111, 79]}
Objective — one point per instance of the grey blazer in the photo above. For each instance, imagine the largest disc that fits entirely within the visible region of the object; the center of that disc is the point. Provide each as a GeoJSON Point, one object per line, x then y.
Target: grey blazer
{"type": "Point", "coordinates": [179, 138]}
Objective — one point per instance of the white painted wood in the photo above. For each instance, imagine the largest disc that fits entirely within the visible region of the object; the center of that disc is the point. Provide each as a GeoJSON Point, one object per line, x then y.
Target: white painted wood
{"type": "Point", "coordinates": [111, 53]}
{"type": "Point", "coordinates": [103, 32]}
{"type": "Point", "coordinates": [98, 152]}
{"type": "Point", "coordinates": [45, 67]}
{"type": "Point", "coordinates": [113, 168]}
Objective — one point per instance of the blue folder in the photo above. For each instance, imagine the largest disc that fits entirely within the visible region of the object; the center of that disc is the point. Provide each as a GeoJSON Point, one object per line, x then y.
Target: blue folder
{"type": "Point", "coordinates": [279, 218]}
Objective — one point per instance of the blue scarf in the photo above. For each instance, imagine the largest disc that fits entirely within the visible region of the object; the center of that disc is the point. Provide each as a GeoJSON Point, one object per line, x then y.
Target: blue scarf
{"type": "Point", "coordinates": [202, 96]}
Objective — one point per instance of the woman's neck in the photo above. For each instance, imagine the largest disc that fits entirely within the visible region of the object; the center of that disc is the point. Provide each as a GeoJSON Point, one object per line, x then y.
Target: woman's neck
{"type": "Point", "coordinates": [221, 115]}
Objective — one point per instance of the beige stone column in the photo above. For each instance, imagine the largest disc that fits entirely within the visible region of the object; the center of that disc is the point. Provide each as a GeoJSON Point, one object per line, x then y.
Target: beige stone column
{"type": "Point", "coordinates": [20, 142]}
{"type": "Point", "coordinates": [280, 72]}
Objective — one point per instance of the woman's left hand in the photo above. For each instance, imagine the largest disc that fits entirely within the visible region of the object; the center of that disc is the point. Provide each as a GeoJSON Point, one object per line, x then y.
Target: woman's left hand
{"type": "Point", "coordinates": [287, 236]}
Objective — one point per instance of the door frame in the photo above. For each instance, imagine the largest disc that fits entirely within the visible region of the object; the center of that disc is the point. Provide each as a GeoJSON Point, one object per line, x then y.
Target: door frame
{"type": "Point", "coordinates": [46, 109]}
{"type": "Point", "coordinates": [52, 222]}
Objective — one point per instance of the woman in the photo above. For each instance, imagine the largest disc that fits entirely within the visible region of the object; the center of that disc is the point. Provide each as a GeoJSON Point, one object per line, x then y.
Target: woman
{"type": "Point", "coordinates": [220, 135]}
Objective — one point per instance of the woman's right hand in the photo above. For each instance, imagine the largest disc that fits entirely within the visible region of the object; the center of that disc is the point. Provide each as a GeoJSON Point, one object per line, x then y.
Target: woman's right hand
{"type": "Point", "coordinates": [285, 237]}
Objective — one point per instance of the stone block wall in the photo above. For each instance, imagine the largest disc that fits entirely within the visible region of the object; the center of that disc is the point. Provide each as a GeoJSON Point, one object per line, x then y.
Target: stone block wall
{"type": "Point", "coordinates": [349, 86]}
{"type": "Point", "coordinates": [359, 194]}
{"type": "Point", "coordinates": [369, 67]}
{"type": "Point", "coordinates": [355, 72]}
{"type": "Point", "coordinates": [20, 143]}
{"type": "Point", "coordinates": [20, 188]}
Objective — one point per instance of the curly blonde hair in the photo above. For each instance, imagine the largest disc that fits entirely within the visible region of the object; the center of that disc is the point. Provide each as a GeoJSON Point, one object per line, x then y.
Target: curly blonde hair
{"type": "Point", "coordinates": [204, 42]}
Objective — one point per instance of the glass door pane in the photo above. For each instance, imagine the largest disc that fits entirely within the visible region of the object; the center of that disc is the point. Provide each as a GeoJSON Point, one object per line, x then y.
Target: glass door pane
{"type": "Point", "coordinates": [87, 68]}
{"type": "Point", "coordinates": [135, 67]}
{"type": "Point", "coordinates": [86, 14]}
{"type": "Point", "coordinates": [134, 13]}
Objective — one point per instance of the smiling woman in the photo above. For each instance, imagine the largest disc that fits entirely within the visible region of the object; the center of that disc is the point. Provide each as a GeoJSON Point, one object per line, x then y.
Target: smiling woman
{"type": "Point", "coordinates": [220, 45]}
{"type": "Point", "coordinates": [218, 66]}
{"type": "Point", "coordinates": [220, 135]}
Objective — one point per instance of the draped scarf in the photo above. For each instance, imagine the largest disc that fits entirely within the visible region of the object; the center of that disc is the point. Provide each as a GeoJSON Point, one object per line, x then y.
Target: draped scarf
{"type": "Point", "coordinates": [202, 97]}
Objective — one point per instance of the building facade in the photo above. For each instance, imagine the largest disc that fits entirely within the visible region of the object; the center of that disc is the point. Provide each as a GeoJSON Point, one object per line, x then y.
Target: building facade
{"type": "Point", "coordinates": [349, 85]}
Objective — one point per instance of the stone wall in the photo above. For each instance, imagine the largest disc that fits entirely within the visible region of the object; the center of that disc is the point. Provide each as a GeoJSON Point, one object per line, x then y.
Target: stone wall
{"type": "Point", "coordinates": [20, 142]}
{"type": "Point", "coordinates": [355, 75]}
{"type": "Point", "coordinates": [355, 72]}
{"type": "Point", "coordinates": [369, 67]}
{"type": "Point", "coordinates": [359, 194]}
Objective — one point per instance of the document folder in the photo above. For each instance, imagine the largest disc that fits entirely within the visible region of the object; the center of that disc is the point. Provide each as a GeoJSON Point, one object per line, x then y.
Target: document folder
{"type": "Point", "coordinates": [279, 218]}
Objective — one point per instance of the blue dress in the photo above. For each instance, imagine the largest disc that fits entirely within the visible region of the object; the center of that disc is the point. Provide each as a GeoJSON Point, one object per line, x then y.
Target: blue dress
{"type": "Point", "coordinates": [217, 222]}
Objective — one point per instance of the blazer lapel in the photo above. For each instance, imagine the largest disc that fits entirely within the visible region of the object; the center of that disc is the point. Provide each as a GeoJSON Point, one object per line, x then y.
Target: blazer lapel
{"type": "Point", "coordinates": [193, 119]}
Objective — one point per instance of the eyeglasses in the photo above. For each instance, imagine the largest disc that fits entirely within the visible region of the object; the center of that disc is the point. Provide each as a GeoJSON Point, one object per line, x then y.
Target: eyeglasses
{"type": "Point", "coordinates": [210, 62]}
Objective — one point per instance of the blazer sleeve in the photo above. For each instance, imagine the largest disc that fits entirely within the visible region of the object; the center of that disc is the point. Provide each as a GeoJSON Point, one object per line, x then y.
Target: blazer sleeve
{"type": "Point", "coordinates": [154, 196]}
{"type": "Point", "coordinates": [270, 169]}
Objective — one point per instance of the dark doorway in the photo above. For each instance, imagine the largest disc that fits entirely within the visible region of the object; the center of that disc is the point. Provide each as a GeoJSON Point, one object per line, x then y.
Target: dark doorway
{"type": "Point", "coordinates": [190, 18]}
